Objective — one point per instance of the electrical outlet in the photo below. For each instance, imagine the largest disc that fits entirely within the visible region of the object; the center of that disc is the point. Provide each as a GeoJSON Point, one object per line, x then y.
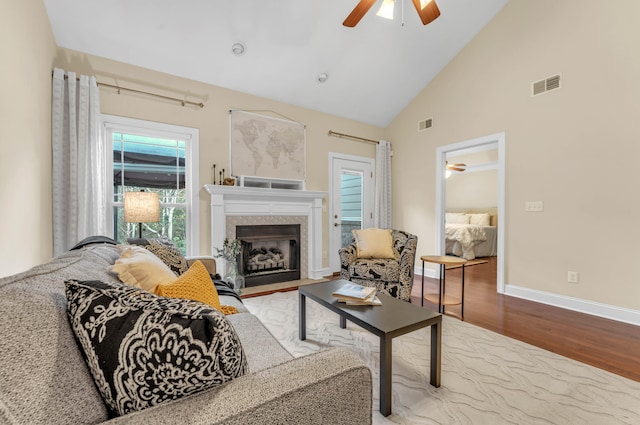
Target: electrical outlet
{"type": "Point", "coordinates": [572, 277]}
{"type": "Point", "coordinates": [534, 206]}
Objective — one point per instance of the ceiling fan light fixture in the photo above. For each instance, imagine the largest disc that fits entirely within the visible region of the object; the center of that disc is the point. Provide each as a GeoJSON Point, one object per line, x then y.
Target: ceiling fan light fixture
{"type": "Point", "coordinates": [386, 10]}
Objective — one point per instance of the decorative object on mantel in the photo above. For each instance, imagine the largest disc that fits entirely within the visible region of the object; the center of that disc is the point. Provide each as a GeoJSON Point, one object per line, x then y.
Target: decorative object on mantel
{"type": "Point", "coordinates": [229, 253]}
{"type": "Point", "coordinates": [222, 179]}
{"type": "Point", "coordinates": [229, 181]}
{"type": "Point", "coordinates": [263, 146]}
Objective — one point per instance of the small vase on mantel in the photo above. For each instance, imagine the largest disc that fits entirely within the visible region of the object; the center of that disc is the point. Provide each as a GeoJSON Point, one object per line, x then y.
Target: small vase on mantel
{"type": "Point", "coordinates": [233, 276]}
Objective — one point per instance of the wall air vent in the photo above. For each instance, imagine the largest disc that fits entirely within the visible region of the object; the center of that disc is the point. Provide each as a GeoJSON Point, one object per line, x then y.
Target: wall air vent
{"type": "Point", "coordinates": [424, 124]}
{"type": "Point", "coordinates": [543, 86]}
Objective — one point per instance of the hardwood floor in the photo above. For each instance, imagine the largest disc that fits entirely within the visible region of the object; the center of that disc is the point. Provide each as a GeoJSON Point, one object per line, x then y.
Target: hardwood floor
{"type": "Point", "coordinates": [603, 343]}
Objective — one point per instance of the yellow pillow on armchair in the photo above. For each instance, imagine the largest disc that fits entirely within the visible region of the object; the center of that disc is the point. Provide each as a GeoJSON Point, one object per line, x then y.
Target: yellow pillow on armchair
{"type": "Point", "coordinates": [374, 243]}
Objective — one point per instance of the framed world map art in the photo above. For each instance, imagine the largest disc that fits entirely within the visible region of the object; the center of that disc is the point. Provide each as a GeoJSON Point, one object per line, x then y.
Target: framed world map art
{"type": "Point", "coordinates": [263, 146]}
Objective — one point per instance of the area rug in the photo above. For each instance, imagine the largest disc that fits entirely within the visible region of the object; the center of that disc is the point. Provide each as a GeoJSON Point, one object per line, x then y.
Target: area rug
{"type": "Point", "coordinates": [487, 378]}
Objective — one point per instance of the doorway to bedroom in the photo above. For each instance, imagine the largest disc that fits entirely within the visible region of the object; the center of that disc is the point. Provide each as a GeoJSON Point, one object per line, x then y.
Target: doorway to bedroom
{"type": "Point", "coordinates": [470, 202]}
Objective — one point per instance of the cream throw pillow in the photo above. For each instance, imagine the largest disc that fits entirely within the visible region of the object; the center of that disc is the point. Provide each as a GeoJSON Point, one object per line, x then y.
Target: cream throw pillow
{"type": "Point", "coordinates": [141, 268]}
{"type": "Point", "coordinates": [374, 243]}
{"type": "Point", "coordinates": [482, 219]}
{"type": "Point", "coordinates": [457, 218]}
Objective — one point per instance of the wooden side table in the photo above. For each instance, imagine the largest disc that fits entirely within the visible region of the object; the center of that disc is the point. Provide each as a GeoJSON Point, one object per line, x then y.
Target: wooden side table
{"type": "Point", "coordinates": [441, 298]}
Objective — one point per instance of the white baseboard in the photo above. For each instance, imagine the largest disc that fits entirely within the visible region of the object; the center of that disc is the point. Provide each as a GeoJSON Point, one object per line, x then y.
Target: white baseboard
{"type": "Point", "coordinates": [593, 308]}
{"type": "Point", "coordinates": [417, 270]}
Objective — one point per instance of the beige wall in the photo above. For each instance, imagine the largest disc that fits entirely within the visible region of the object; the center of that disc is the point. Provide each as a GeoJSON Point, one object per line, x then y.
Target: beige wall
{"type": "Point", "coordinates": [213, 121]}
{"type": "Point", "coordinates": [25, 135]}
{"type": "Point", "coordinates": [574, 148]}
{"type": "Point", "coordinates": [472, 190]}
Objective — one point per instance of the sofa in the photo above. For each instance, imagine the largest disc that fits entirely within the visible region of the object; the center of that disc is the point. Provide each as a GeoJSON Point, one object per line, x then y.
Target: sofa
{"type": "Point", "coordinates": [44, 378]}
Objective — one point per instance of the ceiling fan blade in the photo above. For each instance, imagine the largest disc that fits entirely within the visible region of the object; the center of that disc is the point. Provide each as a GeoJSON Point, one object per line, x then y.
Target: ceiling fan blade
{"type": "Point", "coordinates": [358, 12]}
{"type": "Point", "coordinates": [452, 168]}
{"type": "Point", "coordinates": [429, 13]}
{"type": "Point", "coordinates": [459, 165]}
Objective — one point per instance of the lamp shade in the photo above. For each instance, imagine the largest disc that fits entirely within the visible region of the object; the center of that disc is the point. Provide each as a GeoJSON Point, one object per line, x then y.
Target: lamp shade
{"type": "Point", "coordinates": [141, 207]}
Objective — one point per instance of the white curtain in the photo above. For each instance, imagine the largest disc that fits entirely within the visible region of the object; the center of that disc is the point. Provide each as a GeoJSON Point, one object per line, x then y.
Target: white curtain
{"type": "Point", "coordinates": [79, 156]}
{"type": "Point", "coordinates": [382, 210]}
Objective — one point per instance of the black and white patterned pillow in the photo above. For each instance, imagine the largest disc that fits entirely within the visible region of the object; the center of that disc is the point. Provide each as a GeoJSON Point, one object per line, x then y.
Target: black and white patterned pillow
{"type": "Point", "coordinates": [166, 250]}
{"type": "Point", "coordinates": [143, 349]}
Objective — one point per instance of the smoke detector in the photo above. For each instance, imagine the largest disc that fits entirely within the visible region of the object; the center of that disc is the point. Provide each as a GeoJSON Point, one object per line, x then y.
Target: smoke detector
{"type": "Point", "coordinates": [238, 48]}
{"type": "Point", "coordinates": [322, 77]}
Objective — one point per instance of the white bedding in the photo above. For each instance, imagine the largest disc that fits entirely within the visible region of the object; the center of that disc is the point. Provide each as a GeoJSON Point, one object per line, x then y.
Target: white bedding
{"type": "Point", "coordinates": [471, 241]}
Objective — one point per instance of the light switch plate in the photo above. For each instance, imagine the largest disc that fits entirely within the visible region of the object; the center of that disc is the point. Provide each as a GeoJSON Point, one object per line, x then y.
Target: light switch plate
{"type": "Point", "coordinates": [534, 206]}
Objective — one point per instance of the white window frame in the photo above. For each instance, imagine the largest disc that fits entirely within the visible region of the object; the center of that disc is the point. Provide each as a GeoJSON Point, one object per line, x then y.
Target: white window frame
{"type": "Point", "coordinates": [191, 136]}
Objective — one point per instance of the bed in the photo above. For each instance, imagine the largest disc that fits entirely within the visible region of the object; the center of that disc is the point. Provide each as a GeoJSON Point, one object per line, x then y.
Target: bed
{"type": "Point", "coordinates": [471, 233]}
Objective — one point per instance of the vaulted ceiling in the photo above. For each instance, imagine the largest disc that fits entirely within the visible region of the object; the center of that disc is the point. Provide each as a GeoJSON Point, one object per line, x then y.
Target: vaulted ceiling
{"type": "Point", "coordinates": [374, 69]}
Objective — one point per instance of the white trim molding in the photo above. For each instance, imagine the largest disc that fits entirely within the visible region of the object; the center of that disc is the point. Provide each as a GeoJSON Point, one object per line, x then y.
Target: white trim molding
{"type": "Point", "coordinates": [593, 308]}
{"type": "Point", "coordinates": [494, 141]}
{"type": "Point", "coordinates": [191, 136]}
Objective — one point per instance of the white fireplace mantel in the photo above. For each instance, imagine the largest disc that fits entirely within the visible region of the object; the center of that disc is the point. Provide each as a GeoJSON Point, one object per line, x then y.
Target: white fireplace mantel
{"type": "Point", "coordinates": [252, 201]}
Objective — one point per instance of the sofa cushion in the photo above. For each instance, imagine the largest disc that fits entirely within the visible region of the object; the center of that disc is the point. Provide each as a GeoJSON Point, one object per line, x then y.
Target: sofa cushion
{"type": "Point", "coordinates": [261, 348]}
{"type": "Point", "coordinates": [43, 378]}
{"type": "Point", "coordinates": [165, 250]}
{"type": "Point", "coordinates": [143, 349]}
{"type": "Point", "coordinates": [139, 267]}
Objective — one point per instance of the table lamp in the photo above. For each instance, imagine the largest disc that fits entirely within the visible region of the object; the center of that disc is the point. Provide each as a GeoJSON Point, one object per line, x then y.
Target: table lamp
{"type": "Point", "coordinates": [141, 207]}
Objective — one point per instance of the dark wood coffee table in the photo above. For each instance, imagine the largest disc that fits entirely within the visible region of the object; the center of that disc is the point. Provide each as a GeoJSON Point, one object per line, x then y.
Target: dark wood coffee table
{"type": "Point", "coordinates": [393, 318]}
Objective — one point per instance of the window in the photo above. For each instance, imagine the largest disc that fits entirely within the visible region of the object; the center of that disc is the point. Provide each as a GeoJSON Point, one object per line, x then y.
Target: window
{"type": "Point", "coordinates": [154, 157]}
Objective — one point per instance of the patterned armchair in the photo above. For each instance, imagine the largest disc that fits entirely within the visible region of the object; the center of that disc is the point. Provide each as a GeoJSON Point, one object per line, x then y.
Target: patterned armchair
{"type": "Point", "coordinates": [393, 276]}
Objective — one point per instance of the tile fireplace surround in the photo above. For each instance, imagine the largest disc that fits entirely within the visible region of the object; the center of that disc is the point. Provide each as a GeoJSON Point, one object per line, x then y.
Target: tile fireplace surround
{"type": "Point", "coordinates": [235, 205]}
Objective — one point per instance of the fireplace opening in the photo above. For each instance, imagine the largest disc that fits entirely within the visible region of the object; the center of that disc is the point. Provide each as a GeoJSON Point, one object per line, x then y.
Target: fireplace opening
{"type": "Point", "coordinates": [270, 253]}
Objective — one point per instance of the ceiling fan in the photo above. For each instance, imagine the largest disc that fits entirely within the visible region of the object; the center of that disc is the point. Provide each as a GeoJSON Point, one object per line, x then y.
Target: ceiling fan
{"type": "Point", "coordinates": [456, 167]}
{"type": "Point", "coordinates": [427, 10]}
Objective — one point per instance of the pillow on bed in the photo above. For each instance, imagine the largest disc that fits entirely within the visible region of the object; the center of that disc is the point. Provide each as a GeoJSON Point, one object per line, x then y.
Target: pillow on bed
{"type": "Point", "coordinates": [457, 218]}
{"type": "Point", "coordinates": [483, 219]}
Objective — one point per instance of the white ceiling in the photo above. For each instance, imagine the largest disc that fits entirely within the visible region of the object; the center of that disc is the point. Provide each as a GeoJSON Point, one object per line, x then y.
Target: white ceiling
{"type": "Point", "coordinates": [375, 69]}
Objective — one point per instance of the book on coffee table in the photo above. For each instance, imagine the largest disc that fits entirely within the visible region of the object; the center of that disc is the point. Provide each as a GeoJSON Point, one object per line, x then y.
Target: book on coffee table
{"type": "Point", "coordinates": [372, 301]}
{"type": "Point", "coordinates": [354, 294]}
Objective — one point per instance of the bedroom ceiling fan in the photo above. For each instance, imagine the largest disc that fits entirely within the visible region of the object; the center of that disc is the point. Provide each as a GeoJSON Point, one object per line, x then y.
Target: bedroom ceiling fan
{"type": "Point", "coordinates": [427, 10]}
{"type": "Point", "coordinates": [456, 167]}
{"type": "Point", "coordinates": [450, 168]}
